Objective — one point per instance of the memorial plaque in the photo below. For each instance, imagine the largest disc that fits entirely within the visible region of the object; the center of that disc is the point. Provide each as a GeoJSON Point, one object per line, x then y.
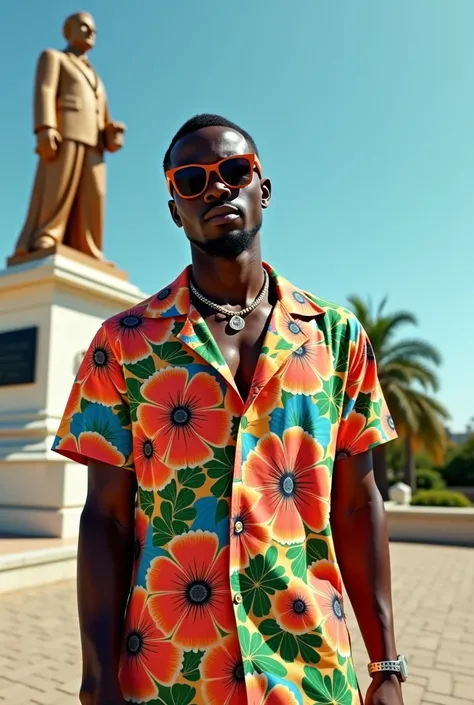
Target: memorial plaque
{"type": "Point", "coordinates": [18, 356]}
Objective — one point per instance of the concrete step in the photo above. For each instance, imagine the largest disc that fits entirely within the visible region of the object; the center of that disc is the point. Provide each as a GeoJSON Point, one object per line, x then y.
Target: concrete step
{"type": "Point", "coordinates": [30, 562]}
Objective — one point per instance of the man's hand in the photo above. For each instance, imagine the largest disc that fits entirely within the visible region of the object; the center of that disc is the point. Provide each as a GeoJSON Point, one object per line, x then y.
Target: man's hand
{"type": "Point", "coordinates": [47, 144]}
{"type": "Point", "coordinates": [384, 690]}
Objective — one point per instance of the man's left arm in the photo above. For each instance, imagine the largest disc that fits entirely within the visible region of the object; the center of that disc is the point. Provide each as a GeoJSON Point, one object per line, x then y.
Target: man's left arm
{"type": "Point", "coordinates": [360, 535]}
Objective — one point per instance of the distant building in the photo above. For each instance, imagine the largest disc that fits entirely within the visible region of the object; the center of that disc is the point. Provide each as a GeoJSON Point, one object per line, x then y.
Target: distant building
{"type": "Point", "coordinates": [460, 437]}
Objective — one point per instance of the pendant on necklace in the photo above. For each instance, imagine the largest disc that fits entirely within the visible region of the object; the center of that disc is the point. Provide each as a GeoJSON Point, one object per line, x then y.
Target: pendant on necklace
{"type": "Point", "coordinates": [237, 323]}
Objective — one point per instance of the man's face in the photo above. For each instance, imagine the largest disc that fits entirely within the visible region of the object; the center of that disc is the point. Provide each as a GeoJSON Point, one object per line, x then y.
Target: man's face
{"type": "Point", "coordinates": [82, 32]}
{"type": "Point", "coordinates": [222, 221]}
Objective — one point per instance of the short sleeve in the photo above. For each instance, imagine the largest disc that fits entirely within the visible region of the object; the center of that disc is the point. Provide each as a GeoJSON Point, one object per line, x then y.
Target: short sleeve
{"type": "Point", "coordinates": [96, 423]}
{"type": "Point", "coordinates": [365, 421]}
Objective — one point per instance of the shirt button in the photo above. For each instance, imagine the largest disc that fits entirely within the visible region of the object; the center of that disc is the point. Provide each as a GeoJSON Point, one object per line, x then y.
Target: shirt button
{"type": "Point", "coordinates": [238, 527]}
{"type": "Point", "coordinates": [237, 599]}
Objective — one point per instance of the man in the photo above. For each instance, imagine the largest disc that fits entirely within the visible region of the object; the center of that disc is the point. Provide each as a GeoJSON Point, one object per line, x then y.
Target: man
{"type": "Point", "coordinates": [72, 128]}
{"type": "Point", "coordinates": [241, 411]}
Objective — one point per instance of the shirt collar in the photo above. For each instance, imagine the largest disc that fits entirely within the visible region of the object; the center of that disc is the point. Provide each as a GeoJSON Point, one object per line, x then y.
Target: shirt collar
{"type": "Point", "coordinates": [174, 300]}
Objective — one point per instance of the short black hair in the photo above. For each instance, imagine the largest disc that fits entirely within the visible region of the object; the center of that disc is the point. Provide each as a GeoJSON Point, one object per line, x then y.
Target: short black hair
{"type": "Point", "coordinates": [205, 120]}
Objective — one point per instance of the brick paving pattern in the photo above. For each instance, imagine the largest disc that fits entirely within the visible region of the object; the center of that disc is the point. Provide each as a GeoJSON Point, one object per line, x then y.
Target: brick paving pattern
{"type": "Point", "coordinates": [433, 590]}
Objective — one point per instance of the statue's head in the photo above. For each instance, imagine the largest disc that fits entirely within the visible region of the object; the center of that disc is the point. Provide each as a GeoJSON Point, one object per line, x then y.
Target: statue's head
{"type": "Point", "coordinates": [79, 31]}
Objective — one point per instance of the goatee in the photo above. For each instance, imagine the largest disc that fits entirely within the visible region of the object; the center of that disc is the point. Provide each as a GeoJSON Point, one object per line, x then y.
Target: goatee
{"type": "Point", "coordinates": [229, 245]}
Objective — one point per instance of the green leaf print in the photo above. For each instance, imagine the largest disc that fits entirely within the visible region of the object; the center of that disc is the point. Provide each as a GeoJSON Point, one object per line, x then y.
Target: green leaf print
{"type": "Point", "coordinates": [327, 690]}
{"type": "Point", "coordinates": [288, 645]}
{"type": "Point", "coordinates": [174, 353]}
{"type": "Point", "coordinates": [178, 694]}
{"type": "Point", "coordinates": [123, 413]}
{"type": "Point", "coordinates": [317, 550]}
{"type": "Point", "coordinates": [147, 501]}
{"type": "Point", "coordinates": [183, 511]}
{"type": "Point", "coordinates": [174, 514]}
{"type": "Point", "coordinates": [169, 492]}
{"type": "Point", "coordinates": [330, 399]}
{"type": "Point", "coordinates": [341, 363]}
{"type": "Point", "coordinates": [334, 331]}
{"type": "Point", "coordinates": [135, 397]}
{"type": "Point", "coordinates": [191, 477]}
{"type": "Point", "coordinates": [208, 348]}
{"type": "Point", "coordinates": [260, 580]}
{"type": "Point", "coordinates": [257, 656]}
{"type": "Point", "coordinates": [191, 663]}
{"type": "Point", "coordinates": [363, 404]}
{"type": "Point", "coordinates": [351, 675]}
{"type": "Point", "coordinates": [143, 368]}
{"type": "Point", "coordinates": [221, 469]}
{"type": "Point", "coordinates": [307, 644]}
{"type": "Point", "coordinates": [222, 510]}
{"type": "Point", "coordinates": [297, 555]}
{"type": "Point", "coordinates": [283, 345]}
{"type": "Point", "coordinates": [85, 403]}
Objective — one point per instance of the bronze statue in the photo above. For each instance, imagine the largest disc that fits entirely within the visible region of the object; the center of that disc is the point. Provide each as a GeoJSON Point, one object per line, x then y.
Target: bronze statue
{"type": "Point", "coordinates": [73, 130]}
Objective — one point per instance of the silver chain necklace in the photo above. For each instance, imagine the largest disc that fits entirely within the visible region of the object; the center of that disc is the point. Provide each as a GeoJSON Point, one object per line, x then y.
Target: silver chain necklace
{"type": "Point", "coordinates": [236, 321]}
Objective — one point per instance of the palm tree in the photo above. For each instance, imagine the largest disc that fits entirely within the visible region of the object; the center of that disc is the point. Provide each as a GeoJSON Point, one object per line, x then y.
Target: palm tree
{"type": "Point", "coordinates": [407, 379]}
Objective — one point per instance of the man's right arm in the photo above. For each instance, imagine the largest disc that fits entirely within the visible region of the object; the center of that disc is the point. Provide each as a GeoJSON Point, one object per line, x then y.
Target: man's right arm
{"type": "Point", "coordinates": [105, 564]}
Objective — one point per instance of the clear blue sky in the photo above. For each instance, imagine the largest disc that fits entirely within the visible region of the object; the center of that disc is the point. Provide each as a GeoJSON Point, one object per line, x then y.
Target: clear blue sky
{"type": "Point", "coordinates": [364, 116]}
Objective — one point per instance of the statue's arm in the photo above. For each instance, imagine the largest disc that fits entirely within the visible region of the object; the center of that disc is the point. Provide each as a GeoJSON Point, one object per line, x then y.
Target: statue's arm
{"type": "Point", "coordinates": [46, 87]}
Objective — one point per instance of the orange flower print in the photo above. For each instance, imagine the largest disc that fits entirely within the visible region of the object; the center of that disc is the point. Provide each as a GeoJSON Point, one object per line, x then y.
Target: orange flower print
{"type": "Point", "coordinates": [182, 417]}
{"type": "Point", "coordinates": [256, 692]}
{"type": "Point", "coordinates": [91, 444]}
{"type": "Point", "coordinates": [265, 370]}
{"type": "Point", "coordinates": [297, 301]}
{"type": "Point", "coordinates": [248, 538]}
{"type": "Point", "coordinates": [295, 608]}
{"type": "Point", "coordinates": [100, 374]}
{"type": "Point", "coordinates": [147, 657]}
{"type": "Point", "coordinates": [268, 398]}
{"type": "Point", "coordinates": [363, 369]}
{"type": "Point", "coordinates": [172, 298]}
{"type": "Point", "coordinates": [287, 327]}
{"type": "Point", "coordinates": [189, 592]}
{"type": "Point", "coordinates": [73, 405]}
{"type": "Point", "coordinates": [135, 333]}
{"type": "Point", "coordinates": [354, 437]}
{"type": "Point", "coordinates": [325, 579]}
{"type": "Point", "coordinates": [369, 382]}
{"type": "Point", "coordinates": [222, 672]}
{"type": "Point", "coordinates": [306, 367]}
{"type": "Point", "coordinates": [295, 490]}
{"type": "Point", "coordinates": [388, 425]}
{"type": "Point", "coordinates": [152, 473]}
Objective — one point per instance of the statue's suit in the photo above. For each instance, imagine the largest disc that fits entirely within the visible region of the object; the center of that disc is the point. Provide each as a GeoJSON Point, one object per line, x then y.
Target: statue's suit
{"type": "Point", "coordinates": [67, 201]}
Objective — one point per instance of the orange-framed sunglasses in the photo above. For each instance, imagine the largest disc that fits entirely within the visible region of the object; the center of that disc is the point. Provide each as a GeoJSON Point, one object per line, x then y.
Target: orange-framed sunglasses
{"type": "Point", "coordinates": [191, 180]}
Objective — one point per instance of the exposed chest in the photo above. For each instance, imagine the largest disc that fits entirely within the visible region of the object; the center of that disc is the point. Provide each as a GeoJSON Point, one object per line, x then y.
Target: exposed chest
{"type": "Point", "coordinates": [241, 349]}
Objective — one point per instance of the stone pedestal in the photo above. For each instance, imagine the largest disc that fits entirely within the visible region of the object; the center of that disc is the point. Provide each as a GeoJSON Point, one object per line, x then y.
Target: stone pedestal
{"type": "Point", "coordinates": [59, 302]}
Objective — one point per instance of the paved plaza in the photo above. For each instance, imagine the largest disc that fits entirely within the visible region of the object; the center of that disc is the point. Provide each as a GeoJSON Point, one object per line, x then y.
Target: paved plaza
{"type": "Point", "coordinates": [434, 599]}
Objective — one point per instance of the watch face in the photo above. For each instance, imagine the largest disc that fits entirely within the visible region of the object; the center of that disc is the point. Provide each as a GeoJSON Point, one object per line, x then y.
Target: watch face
{"type": "Point", "coordinates": [403, 667]}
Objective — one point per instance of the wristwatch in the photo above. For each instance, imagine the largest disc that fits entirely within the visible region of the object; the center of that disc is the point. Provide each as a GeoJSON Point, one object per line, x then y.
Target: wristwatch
{"type": "Point", "coordinates": [399, 667]}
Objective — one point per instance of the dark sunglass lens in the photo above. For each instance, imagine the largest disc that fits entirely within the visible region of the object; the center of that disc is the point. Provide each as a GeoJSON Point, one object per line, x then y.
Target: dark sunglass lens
{"type": "Point", "coordinates": [190, 180]}
{"type": "Point", "coordinates": [236, 171]}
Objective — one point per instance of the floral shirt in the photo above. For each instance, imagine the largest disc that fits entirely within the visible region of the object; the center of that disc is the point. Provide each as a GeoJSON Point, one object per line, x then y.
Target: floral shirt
{"type": "Point", "coordinates": [236, 596]}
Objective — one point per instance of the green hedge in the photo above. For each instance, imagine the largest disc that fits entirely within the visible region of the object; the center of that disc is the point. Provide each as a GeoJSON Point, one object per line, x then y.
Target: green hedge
{"type": "Point", "coordinates": [439, 498]}
{"type": "Point", "coordinates": [427, 479]}
{"type": "Point", "coordinates": [459, 471]}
